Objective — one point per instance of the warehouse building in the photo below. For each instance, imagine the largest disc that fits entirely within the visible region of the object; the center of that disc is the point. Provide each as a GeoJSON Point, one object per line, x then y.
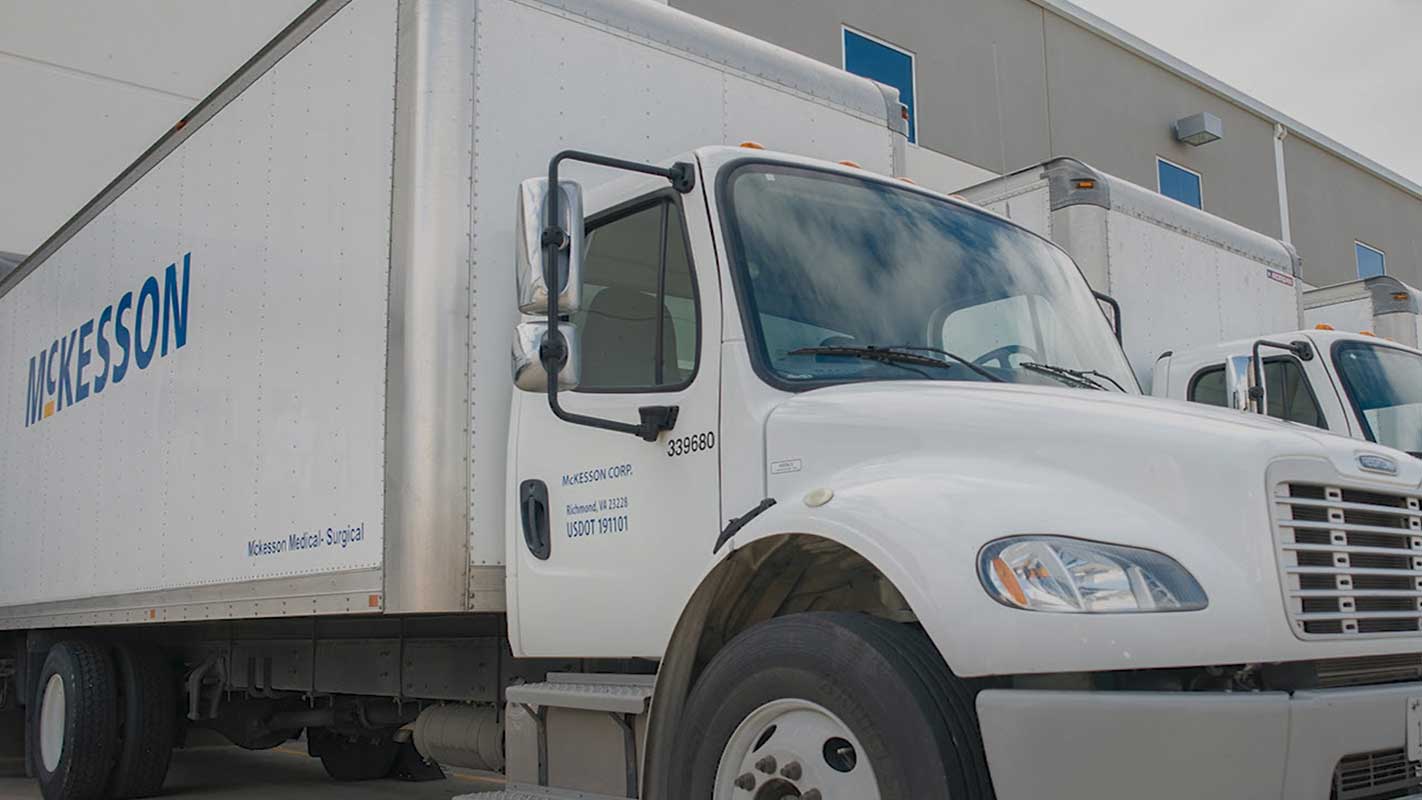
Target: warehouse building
{"type": "Point", "coordinates": [997, 85]}
{"type": "Point", "coordinates": [991, 86]}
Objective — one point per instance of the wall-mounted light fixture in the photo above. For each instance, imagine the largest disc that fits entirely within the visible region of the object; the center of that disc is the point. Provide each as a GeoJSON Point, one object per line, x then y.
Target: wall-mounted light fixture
{"type": "Point", "coordinates": [1198, 129]}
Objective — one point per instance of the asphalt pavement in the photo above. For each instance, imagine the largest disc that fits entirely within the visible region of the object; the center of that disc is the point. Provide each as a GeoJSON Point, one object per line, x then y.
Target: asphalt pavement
{"type": "Point", "coordinates": [285, 773]}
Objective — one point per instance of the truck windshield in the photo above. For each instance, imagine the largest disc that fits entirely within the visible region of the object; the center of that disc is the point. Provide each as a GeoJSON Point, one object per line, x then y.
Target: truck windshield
{"type": "Point", "coordinates": [833, 271]}
{"type": "Point", "coordinates": [1384, 384]}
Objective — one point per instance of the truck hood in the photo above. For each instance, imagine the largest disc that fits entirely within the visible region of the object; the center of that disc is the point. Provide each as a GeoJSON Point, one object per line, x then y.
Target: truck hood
{"type": "Point", "coordinates": [907, 416]}
{"type": "Point", "coordinates": [922, 475]}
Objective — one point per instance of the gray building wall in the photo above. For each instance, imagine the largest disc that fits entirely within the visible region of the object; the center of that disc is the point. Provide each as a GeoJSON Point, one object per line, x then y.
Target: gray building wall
{"type": "Point", "coordinates": [1114, 110]}
{"type": "Point", "coordinates": [1332, 203]}
{"type": "Point", "coordinates": [1005, 83]}
{"type": "Point", "coordinates": [953, 42]}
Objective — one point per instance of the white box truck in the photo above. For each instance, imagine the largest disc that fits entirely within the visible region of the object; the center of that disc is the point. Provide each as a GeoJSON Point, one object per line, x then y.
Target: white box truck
{"type": "Point", "coordinates": [1204, 301]}
{"type": "Point", "coordinates": [1381, 305]}
{"type": "Point", "coordinates": [798, 484]}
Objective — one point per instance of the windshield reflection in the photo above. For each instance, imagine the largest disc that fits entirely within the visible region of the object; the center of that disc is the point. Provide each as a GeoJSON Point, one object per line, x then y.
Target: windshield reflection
{"type": "Point", "coordinates": [1384, 384]}
{"type": "Point", "coordinates": [825, 261]}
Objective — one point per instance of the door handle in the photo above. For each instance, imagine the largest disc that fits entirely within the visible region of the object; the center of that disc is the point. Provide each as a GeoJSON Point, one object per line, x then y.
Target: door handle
{"type": "Point", "coordinates": [533, 509]}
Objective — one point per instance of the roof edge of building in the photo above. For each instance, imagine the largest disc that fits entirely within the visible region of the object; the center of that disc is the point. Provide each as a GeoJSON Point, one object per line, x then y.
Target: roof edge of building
{"type": "Point", "coordinates": [1122, 38]}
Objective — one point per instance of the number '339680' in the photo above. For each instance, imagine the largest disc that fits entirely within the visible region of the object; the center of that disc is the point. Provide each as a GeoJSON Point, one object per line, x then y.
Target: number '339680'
{"type": "Point", "coordinates": [695, 443]}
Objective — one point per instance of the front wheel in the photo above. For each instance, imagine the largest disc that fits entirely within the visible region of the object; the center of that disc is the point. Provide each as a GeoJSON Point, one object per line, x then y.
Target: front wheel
{"type": "Point", "coordinates": [830, 706]}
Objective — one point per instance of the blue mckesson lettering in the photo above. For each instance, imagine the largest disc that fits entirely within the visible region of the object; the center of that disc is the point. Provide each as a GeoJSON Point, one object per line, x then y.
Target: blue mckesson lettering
{"type": "Point", "coordinates": [60, 375]}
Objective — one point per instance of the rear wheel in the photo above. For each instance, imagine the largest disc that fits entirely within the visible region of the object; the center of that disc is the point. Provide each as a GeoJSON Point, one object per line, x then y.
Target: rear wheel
{"type": "Point", "coordinates": [147, 722]}
{"type": "Point", "coordinates": [364, 757]}
{"type": "Point", "coordinates": [826, 706]}
{"type": "Point", "coordinates": [74, 722]}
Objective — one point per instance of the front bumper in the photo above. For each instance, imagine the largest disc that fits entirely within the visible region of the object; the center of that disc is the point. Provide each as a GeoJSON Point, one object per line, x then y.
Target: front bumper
{"type": "Point", "coordinates": [1187, 745]}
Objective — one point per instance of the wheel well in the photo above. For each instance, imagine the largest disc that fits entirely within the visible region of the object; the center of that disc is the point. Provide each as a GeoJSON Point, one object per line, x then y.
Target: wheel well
{"type": "Point", "coordinates": [768, 578]}
{"type": "Point", "coordinates": [790, 574]}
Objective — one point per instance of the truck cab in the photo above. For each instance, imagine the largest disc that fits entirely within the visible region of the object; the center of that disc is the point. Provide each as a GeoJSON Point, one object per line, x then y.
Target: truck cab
{"type": "Point", "coordinates": [1352, 384]}
{"type": "Point", "coordinates": [757, 419]}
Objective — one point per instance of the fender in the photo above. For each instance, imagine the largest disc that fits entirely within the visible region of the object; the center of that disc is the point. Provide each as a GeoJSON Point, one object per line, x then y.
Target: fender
{"type": "Point", "coordinates": [920, 521]}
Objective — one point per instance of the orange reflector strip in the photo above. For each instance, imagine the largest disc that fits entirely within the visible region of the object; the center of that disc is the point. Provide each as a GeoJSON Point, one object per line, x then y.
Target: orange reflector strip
{"type": "Point", "coordinates": [1009, 582]}
{"type": "Point", "coordinates": [848, 163]}
{"type": "Point", "coordinates": [1323, 326]}
{"type": "Point", "coordinates": [1367, 333]}
{"type": "Point", "coordinates": [374, 601]}
{"type": "Point", "coordinates": [749, 145]}
{"type": "Point", "coordinates": [907, 179]}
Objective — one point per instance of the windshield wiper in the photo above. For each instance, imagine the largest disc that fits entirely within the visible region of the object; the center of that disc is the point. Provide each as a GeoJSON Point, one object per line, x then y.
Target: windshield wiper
{"type": "Point", "coordinates": [965, 362]}
{"type": "Point", "coordinates": [898, 356]}
{"type": "Point", "coordinates": [1081, 378]}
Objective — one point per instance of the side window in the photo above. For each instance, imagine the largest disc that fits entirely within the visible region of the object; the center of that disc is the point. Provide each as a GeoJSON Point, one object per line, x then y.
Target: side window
{"type": "Point", "coordinates": [1289, 395]}
{"type": "Point", "coordinates": [639, 324]}
{"type": "Point", "coordinates": [1208, 387]}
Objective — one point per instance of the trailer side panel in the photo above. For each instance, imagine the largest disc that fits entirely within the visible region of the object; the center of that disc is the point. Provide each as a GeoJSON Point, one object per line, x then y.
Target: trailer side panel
{"type": "Point", "coordinates": [193, 382]}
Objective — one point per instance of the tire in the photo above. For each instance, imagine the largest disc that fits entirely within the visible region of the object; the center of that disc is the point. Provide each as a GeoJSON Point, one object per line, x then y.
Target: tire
{"type": "Point", "coordinates": [147, 721]}
{"type": "Point", "coordinates": [75, 721]}
{"type": "Point", "coordinates": [807, 701]}
{"type": "Point", "coordinates": [360, 758]}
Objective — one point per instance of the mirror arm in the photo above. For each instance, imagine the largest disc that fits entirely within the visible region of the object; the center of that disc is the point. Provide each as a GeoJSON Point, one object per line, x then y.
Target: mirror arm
{"type": "Point", "coordinates": [1303, 350]}
{"type": "Point", "coordinates": [554, 351]}
{"type": "Point", "coordinates": [1115, 311]}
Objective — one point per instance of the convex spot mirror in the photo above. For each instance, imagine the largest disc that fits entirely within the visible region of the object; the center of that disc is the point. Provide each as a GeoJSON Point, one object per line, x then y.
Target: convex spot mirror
{"type": "Point", "coordinates": [533, 289]}
{"type": "Point", "coordinates": [529, 374]}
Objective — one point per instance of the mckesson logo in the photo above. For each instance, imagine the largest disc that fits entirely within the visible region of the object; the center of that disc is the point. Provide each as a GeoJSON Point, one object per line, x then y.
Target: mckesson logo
{"type": "Point", "coordinates": [126, 334]}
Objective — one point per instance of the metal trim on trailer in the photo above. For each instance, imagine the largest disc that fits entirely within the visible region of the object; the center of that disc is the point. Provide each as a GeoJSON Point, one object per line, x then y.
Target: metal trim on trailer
{"type": "Point", "coordinates": [292, 35]}
{"type": "Point", "coordinates": [428, 418]}
{"type": "Point", "coordinates": [352, 592]}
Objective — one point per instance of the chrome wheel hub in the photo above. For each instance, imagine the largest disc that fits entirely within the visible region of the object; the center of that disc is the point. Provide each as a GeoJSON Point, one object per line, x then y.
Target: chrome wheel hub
{"type": "Point", "coordinates": [793, 748]}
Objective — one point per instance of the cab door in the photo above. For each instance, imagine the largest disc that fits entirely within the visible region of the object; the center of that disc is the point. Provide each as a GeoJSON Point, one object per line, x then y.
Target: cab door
{"type": "Point", "coordinates": [608, 530]}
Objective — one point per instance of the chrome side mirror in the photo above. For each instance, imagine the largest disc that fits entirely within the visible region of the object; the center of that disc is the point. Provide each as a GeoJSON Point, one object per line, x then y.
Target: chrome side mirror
{"type": "Point", "coordinates": [1240, 393]}
{"type": "Point", "coordinates": [529, 374]}
{"type": "Point", "coordinates": [533, 289]}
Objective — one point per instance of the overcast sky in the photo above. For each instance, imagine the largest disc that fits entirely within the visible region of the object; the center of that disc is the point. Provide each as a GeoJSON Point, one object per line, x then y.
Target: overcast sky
{"type": "Point", "coordinates": [1351, 69]}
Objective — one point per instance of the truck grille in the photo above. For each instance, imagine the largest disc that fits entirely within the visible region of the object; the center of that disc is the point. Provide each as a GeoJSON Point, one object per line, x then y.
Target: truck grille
{"type": "Point", "coordinates": [1335, 673]}
{"type": "Point", "coordinates": [1351, 560]}
{"type": "Point", "coordinates": [1375, 776]}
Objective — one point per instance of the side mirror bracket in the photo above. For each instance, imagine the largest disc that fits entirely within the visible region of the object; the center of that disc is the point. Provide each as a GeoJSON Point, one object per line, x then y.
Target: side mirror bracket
{"type": "Point", "coordinates": [553, 352]}
{"type": "Point", "coordinates": [1300, 348]}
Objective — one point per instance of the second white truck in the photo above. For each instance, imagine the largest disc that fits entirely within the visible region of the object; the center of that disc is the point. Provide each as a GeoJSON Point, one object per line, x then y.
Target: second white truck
{"type": "Point", "coordinates": [802, 481]}
{"type": "Point", "coordinates": [1197, 293]}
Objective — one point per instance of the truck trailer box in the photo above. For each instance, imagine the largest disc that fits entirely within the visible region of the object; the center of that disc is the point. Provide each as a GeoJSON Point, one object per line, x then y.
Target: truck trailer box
{"type": "Point", "coordinates": [1381, 305]}
{"type": "Point", "coordinates": [266, 371]}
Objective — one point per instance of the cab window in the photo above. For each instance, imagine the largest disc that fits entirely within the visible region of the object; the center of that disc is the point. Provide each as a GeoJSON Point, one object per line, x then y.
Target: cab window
{"type": "Point", "coordinates": [639, 322]}
{"type": "Point", "coordinates": [1289, 395]}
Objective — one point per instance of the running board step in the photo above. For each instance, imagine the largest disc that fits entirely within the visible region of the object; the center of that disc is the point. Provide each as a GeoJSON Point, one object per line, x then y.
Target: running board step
{"type": "Point", "coordinates": [579, 734]}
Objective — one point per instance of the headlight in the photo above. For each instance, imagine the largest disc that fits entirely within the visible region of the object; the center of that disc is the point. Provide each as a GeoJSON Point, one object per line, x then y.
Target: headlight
{"type": "Point", "coordinates": [1055, 573]}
